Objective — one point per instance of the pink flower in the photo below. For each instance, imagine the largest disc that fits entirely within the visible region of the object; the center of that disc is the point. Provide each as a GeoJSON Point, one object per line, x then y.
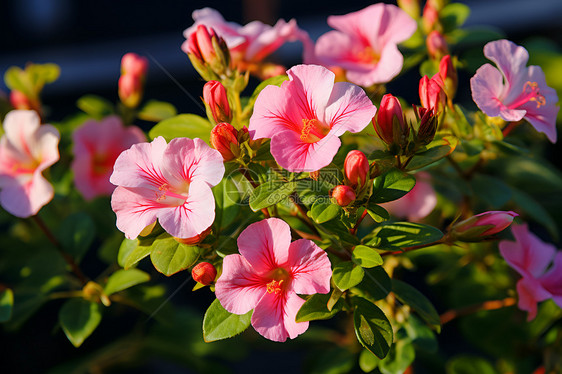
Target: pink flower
{"type": "Point", "coordinates": [250, 43]}
{"type": "Point", "coordinates": [169, 182]}
{"type": "Point", "coordinates": [26, 149]}
{"type": "Point", "coordinates": [306, 115]}
{"type": "Point", "coordinates": [268, 274]}
{"type": "Point", "coordinates": [531, 258]}
{"type": "Point", "coordinates": [514, 91]}
{"type": "Point", "coordinates": [365, 43]}
{"type": "Point", "coordinates": [417, 203]}
{"type": "Point", "coordinates": [483, 224]}
{"type": "Point", "coordinates": [96, 147]}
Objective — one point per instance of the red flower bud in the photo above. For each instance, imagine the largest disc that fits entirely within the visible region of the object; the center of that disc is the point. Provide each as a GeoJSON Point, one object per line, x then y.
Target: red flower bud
{"type": "Point", "coordinates": [343, 195]}
{"type": "Point", "coordinates": [224, 138]}
{"type": "Point", "coordinates": [204, 273]}
{"type": "Point", "coordinates": [133, 64]}
{"type": "Point", "coordinates": [19, 100]}
{"type": "Point", "coordinates": [449, 76]}
{"type": "Point", "coordinates": [430, 19]}
{"type": "Point", "coordinates": [436, 45]}
{"type": "Point", "coordinates": [389, 121]}
{"type": "Point", "coordinates": [483, 224]}
{"type": "Point", "coordinates": [432, 95]}
{"type": "Point", "coordinates": [130, 90]}
{"type": "Point", "coordinates": [201, 45]}
{"type": "Point", "coordinates": [356, 169]}
{"type": "Point", "coordinates": [214, 95]}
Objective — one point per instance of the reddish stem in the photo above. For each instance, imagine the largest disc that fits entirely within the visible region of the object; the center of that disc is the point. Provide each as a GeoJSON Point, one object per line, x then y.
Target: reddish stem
{"type": "Point", "coordinates": [353, 231]}
{"type": "Point", "coordinates": [486, 305]}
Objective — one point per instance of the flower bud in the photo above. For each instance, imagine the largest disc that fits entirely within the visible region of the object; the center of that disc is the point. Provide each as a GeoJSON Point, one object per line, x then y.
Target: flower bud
{"type": "Point", "coordinates": [428, 123]}
{"type": "Point", "coordinates": [436, 45]}
{"type": "Point", "coordinates": [194, 239]}
{"type": "Point", "coordinates": [201, 45]}
{"type": "Point", "coordinates": [448, 75]}
{"type": "Point", "coordinates": [483, 224]}
{"type": "Point", "coordinates": [389, 122]}
{"type": "Point", "coordinates": [356, 169]}
{"type": "Point", "coordinates": [412, 7]}
{"type": "Point", "coordinates": [224, 138]}
{"type": "Point", "coordinates": [133, 64]}
{"type": "Point", "coordinates": [343, 195]}
{"type": "Point", "coordinates": [204, 273]}
{"type": "Point", "coordinates": [432, 95]}
{"type": "Point", "coordinates": [214, 95]}
{"type": "Point", "coordinates": [19, 100]}
{"type": "Point", "coordinates": [130, 90]}
{"type": "Point", "coordinates": [430, 19]}
{"type": "Point", "coordinates": [208, 52]}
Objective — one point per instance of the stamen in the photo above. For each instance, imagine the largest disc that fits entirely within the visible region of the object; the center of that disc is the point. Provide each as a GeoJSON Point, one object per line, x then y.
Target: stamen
{"type": "Point", "coordinates": [275, 286]}
{"type": "Point", "coordinates": [308, 124]}
{"type": "Point", "coordinates": [532, 89]}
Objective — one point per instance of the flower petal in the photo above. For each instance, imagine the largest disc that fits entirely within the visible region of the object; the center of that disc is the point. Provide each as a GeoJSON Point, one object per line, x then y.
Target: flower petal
{"type": "Point", "coordinates": [552, 280]}
{"type": "Point", "coordinates": [310, 267]}
{"type": "Point", "coordinates": [239, 289]}
{"type": "Point", "coordinates": [135, 208]}
{"type": "Point", "coordinates": [272, 114]}
{"type": "Point", "coordinates": [274, 316]}
{"type": "Point", "coordinates": [310, 88]}
{"type": "Point", "coordinates": [349, 109]}
{"type": "Point", "coordinates": [510, 58]}
{"type": "Point", "coordinates": [530, 293]}
{"type": "Point", "coordinates": [487, 87]}
{"type": "Point", "coordinates": [20, 127]}
{"type": "Point", "coordinates": [26, 199]}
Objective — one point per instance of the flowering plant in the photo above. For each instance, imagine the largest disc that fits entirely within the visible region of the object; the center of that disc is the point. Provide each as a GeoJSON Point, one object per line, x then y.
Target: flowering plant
{"type": "Point", "coordinates": [298, 194]}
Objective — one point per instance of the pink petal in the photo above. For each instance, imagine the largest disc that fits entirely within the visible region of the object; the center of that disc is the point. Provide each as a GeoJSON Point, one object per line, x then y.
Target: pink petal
{"type": "Point", "coordinates": [336, 48]}
{"type": "Point", "coordinates": [135, 209]}
{"type": "Point", "coordinates": [487, 88]}
{"type": "Point", "coordinates": [194, 216]}
{"type": "Point", "coordinates": [209, 17]}
{"type": "Point", "coordinates": [310, 89]}
{"type": "Point", "coordinates": [349, 109]}
{"type": "Point", "coordinates": [274, 316]}
{"type": "Point", "coordinates": [265, 244]}
{"type": "Point", "coordinates": [310, 268]}
{"type": "Point", "coordinates": [19, 127]}
{"type": "Point", "coordinates": [27, 198]}
{"type": "Point", "coordinates": [416, 204]}
{"type": "Point", "coordinates": [297, 156]}
{"type": "Point", "coordinates": [264, 39]}
{"type": "Point", "coordinates": [552, 280]}
{"type": "Point", "coordinates": [239, 289]}
{"type": "Point", "coordinates": [272, 113]}
{"type": "Point", "coordinates": [140, 166]}
{"type": "Point", "coordinates": [192, 159]}
{"type": "Point", "coordinates": [45, 146]}
{"type": "Point", "coordinates": [510, 58]}
{"type": "Point", "coordinates": [530, 293]}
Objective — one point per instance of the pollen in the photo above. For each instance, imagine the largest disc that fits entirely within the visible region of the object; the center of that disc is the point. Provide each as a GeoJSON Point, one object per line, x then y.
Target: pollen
{"type": "Point", "coordinates": [275, 287]}
{"type": "Point", "coordinates": [532, 90]}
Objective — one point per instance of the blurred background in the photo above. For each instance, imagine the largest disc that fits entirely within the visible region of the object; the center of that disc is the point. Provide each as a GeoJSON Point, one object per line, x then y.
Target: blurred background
{"type": "Point", "coordinates": [87, 40]}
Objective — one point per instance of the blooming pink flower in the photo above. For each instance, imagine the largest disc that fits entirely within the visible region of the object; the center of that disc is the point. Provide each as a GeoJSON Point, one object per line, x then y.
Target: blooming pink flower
{"type": "Point", "coordinates": [514, 91]}
{"type": "Point", "coordinates": [96, 147]}
{"type": "Point", "coordinates": [306, 115]}
{"type": "Point", "coordinates": [250, 43]}
{"type": "Point", "coordinates": [268, 274]}
{"type": "Point", "coordinates": [26, 149]}
{"type": "Point", "coordinates": [417, 203]}
{"type": "Point", "coordinates": [169, 182]}
{"type": "Point", "coordinates": [365, 43]}
{"type": "Point", "coordinates": [531, 257]}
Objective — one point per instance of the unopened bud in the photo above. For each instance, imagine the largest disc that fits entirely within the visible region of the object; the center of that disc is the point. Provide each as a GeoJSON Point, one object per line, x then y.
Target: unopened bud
{"type": "Point", "coordinates": [343, 195]}
{"type": "Point", "coordinates": [356, 169]}
{"type": "Point", "coordinates": [214, 95]}
{"type": "Point", "coordinates": [224, 138]}
{"type": "Point", "coordinates": [130, 90]}
{"type": "Point", "coordinates": [20, 101]}
{"type": "Point", "coordinates": [436, 45]}
{"type": "Point", "coordinates": [207, 51]}
{"type": "Point", "coordinates": [449, 76]}
{"type": "Point", "coordinates": [194, 239]}
{"type": "Point", "coordinates": [412, 7]}
{"type": "Point", "coordinates": [428, 123]}
{"type": "Point", "coordinates": [481, 225]}
{"type": "Point", "coordinates": [432, 95]}
{"type": "Point", "coordinates": [438, 4]}
{"type": "Point", "coordinates": [430, 19]}
{"type": "Point", "coordinates": [204, 273]}
{"type": "Point", "coordinates": [133, 64]}
{"type": "Point", "coordinates": [389, 122]}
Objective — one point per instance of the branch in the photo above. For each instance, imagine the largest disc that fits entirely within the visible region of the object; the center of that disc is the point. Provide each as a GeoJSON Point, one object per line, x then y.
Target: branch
{"type": "Point", "coordinates": [467, 310]}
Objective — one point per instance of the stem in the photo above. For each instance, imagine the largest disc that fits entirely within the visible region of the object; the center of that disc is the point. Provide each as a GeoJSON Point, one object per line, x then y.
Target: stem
{"type": "Point", "coordinates": [398, 163]}
{"type": "Point", "coordinates": [407, 162]}
{"type": "Point", "coordinates": [302, 210]}
{"type": "Point", "coordinates": [506, 130]}
{"type": "Point", "coordinates": [353, 231]}
{"type": "Point", "coordinates": [412, 248]}
{"type": "Point", "coordinates": [486, 305]}
{"type": "Point", "coordinates": [238, 109]}
{"type": "Point", "coordinates": [68, 258]}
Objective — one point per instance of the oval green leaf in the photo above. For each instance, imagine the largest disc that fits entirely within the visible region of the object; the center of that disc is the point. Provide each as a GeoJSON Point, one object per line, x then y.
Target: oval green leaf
{"type": "Point", "coordinates": [366, 257]}
{"type": "Point", "coordinates": [270, 193]}
{"type": "Point", "coordinates": [415, 299]}
{"type": "Point", "coordinates": [347, 274]}
{"type": "Point", "coordinates": [219, 324]}
{"type": "Point", "coordinates": [182, 126]}
{"type": "Point", "coordinates": [78, 319]}
{"type": "Point", "coordinates": [372, 328]}
{"type": "Point", "coordinates": [391, 185]}
{"type": "Point", "coordinates": [169, 257]}
{"type": "Point", "coordinates": [123, 279]}
{"type": "Point", "coordinates": [316, 308]}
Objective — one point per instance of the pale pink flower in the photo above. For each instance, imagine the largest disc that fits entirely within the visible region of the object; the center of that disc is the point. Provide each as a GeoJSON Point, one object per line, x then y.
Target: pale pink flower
{"type": "Point", "coordinates": [250, 43]}
{"type": "Point", "coordinates": [267, 276]}
{"type": "Point", "coordinates": [306, 115]}
{"type": "Point", "coordinates": [531, 258]}
{"type": "Point", "coordinates": [97, 144]}
{"type": "Point", "coordinates": [169, 182]}
{"type": "Point", "coordinates": [26, 149]}
{"type": "Point", "coordinates": [365, 43]}
{"type": "Point", "coordinates": [514, 91]}
{"type": "Point", "coordinates": [416, 204]}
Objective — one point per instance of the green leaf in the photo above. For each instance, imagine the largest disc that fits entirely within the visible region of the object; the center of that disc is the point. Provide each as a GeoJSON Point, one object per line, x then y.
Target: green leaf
{"type": "Point", "coordinates": [78, 319]}
{"type": "Point", "coordinates": [219, 324]}
{"type": "Point", "coordinates": [377, 212]}
{"type": "Point", "coordinates": [366, 257]}
{"type": "Point", "coordinates": [95, 106]}
{"type": "Point", "coordinates": [453, 16]}
{"type": "Point", "coordinates": [330, 360]}
{"type": "Point", "coordinates": [6, 304]}
{"type": "Point", "coordinates": [15, 79]}
{"type": "Point", "coordinates": [76, 234]}
{"type": "Point", "coordinates": [469, 365]}
{"type": "Point", "coordinates": [132, 251]}
{"type": "Point", "coordinates": [372, 328]}
{"type": "Point", "coordinates": [323, 210]}
{"type": "Point", "coordinates": [398, 235]}
{"type": "Point", "coordinates": [434, 152]}
{"type": "Point", "coordinates": [347, 274]}
{"type": "Point", "coordinates": [40, 74]}
{"type": "Point", "coordinates": [270, 193]}
{"type": "Point", "coordinates": [376, 284]}
{"type": "Point", "coordinates": [156, 111]}
{"type": "Point", "coordinates": [169, 257]}
{"type": "Point", "coordinates": [491, 190]}
{"type": "Point", "coordinates": [401, 355]}
{"type": "Point", "coordinates": [415, 299]}
{"type": "Point", "coordinates": [182, 126]}
{"type": "Point", "coordinates": [123, 279]}
{"type": "Point", "coordinates": [316, 308]}
{"type": "Point", "coordinates": [391, 185]}
{"type": "Point", "coordinates": [227, 199]}
{"type": "Point", "coordinates": [368, 361]}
